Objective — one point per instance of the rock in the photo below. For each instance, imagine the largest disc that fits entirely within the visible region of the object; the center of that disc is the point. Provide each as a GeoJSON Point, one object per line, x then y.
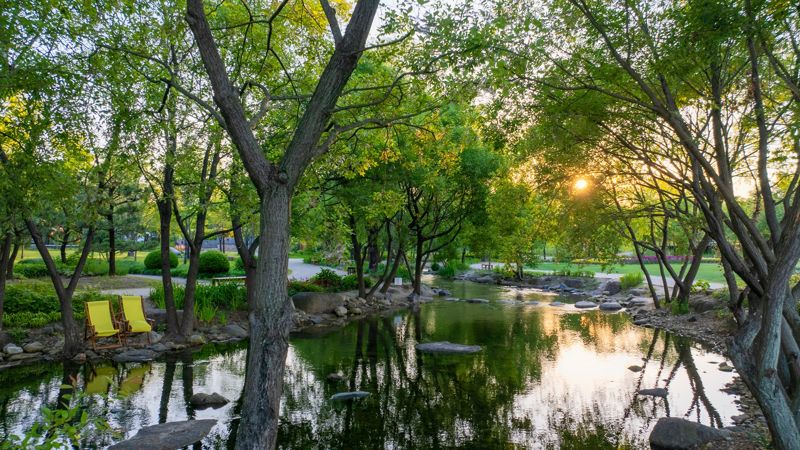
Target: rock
{"type": "Point", "coordinates": [635, 368]}
{"type": "Point", "coordinates": [317, 302]}
{"type": "Point", "coordinates": [585, 304]}
{"type": "Point", "coordinates": [357, 311]}
{"type": "Point", "coordinates": [5, 338]}
{"type": "Point", "coordinates": [316, 320]}
{"type": "Point", "coordinates": [341, 311]}
{"type": "Point", "coordinates": [692, 319]}
{"type": "Point", "coordinates": [235, 331]}
{"type": "Point", "coordinates": [640, 322]}
{"type": "Point", "coordinates": [168, 436]}
{"type": "Point", "coordinates": [519, 296]}
{"type": "Point", "coordinates": [610, 306]}
{"type": "Point", "coordinates": [477, 300]}
{"type": "Point", "coordinates": [613, 287]}
{"type": "Point", "coordinates": [159, 347]}
{"type": "Point", "coordinates": [203, 401]}
{"type": "Point", "coordinates": [486, 279]}
{"type": "Point", "coordinates": [655, 392]}
{"type": "Point", "coordinates": [79, 358]}
{"type": "Point", "coordinates": [701, 304]}
{"type": "Point", "coordinates": [341, 396]}
{"type": "Point", "coordinates": [33, 347]}
{"type": "Point", "coordinates": [740, 419]}
{"type": "Point", "coordinates": [672, 433]}
{"type": "Point", "coordinates": [197, 339]}
{"type": "Point", "coordinates": [159, 316]}
{"type": "Point", "coordinates": [531, 303]}
{"type": "Point", "coordinates": [136, 355]}
{"type": "Point", "coordinates": [155, 337]}
{"type": "Point", "coordinates": [723, 366]}
{"type": "Point", "coordinates": [447, 347]}
{"type": "Point", "coordinates": [443, 293]}
{"type": "Point", "coordinates": [12, 349]}
{"type": "Point", "coordinates": [23, 356]}
{"type": "Point", "coordinates": [452, 299]}
{"type": "Point", "coordinates": [556, 304]}
{"type": "Point", "coordinates": [638, 301]}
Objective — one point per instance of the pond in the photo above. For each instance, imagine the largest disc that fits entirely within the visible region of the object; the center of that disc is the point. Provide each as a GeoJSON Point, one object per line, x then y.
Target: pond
{"type": "Point", "coordinates": [548, 377]}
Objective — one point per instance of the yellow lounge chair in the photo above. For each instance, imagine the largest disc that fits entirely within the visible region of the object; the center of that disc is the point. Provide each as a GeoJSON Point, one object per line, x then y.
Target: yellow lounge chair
{"type": "Point", "coordinates": [134, 320]}
{"type": "Point", "coordinates": [100, 323]}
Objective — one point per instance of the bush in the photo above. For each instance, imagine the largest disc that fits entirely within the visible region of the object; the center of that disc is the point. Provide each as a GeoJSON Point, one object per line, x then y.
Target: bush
{"type": "Point", "coordinates": [296, 286]}
{"type": "Point", "coordinates": [153, 260]}
{"type": "Point", "coordinates": [350, 282]}
{"type": "Point", "coordinates": [214, 262]}
{"type": "Point", "coordinates": [73, 258]}
{"type": "Point", "coordinates": [35, 304]}
{"type": "Point", "coordinates": [700, 286]}
{"type": "Point", "coordinates": [328, 279]}
{"type": "Point", "coordinates": [31, 270]}
{"type": "Point", "coordinates": [448, 272]}
{"type": "Point", "coordinates": [631, 280]}
{"type": "Point", "coordinates": [227, 296]}
{"type": "Point", "coordinates": [96, 267]}
{"type": "Point", "coordinates": [435, 267]}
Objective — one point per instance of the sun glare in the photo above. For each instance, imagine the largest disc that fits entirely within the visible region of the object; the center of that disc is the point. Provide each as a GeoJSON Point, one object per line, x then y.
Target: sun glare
{"type": "Point", "coordinates": [581, 184]}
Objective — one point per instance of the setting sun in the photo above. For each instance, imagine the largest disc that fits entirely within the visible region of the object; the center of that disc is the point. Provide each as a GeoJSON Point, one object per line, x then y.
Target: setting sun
{"type": "Point", "coordinates": [581, 184]}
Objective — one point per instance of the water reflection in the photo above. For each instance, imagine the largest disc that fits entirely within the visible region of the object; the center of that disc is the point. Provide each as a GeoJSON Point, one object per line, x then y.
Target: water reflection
{"type": "Point", "coordinates": [547, 378]}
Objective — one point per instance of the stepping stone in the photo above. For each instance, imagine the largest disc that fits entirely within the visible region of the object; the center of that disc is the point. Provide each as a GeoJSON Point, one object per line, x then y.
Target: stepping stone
{"type": "Point", "coordinates": [477, 300]}
{"type": "Point", "coordinates": [168, 436]}
{"type": "Point", "coordinates": [447, 347]}
{"type": "Point", "coordinates": [355, 395]}
{"type": "Point", "coordinates": [585, 304]}
{"type": "Point", "coordinates": [556, 304]}
{"type": "Point", "coordinates": [676, 433]}
{"type": "Point", "coordinates": [655, 392]}
{"type": "Point", "coordinates": [610, 306]}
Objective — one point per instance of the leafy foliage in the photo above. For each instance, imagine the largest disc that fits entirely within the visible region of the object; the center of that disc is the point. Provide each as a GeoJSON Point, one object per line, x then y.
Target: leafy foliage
{"type": "Point", "coordinates": [153, 260]}
{"type": "Point", "coordinates": [214, 262]}
{"type": "Point", "coordinates": [631, 280]}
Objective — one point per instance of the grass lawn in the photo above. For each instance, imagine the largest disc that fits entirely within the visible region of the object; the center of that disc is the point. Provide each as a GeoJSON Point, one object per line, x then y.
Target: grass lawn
{"type": "Point", "coordinates": [708, 271]}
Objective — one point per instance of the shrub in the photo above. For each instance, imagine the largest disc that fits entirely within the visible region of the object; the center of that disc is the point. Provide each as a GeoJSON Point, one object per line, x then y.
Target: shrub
{"type": "Point", "coordinates": [448, 271]}
{"type": "Point", "coordinates": [700, 286]}
{"type": "Point", "coordinates": [153, 260]}
{"type": "Point", "coordinates": [679, 308]}
{"type": "Point", "coordinates": [73, 258]}
{"type": "Point", "coordinates": [296, 286]}
{"type": "Point", "coordinates": [228, 296]}
{"type": "Point", "coordinates": [137, 268]}
{"type": "Point", "coordinates": [631, 280]}
{"type": "Point", "coordinates": [96, 267]}
{"type": "Point", "coordinates": [214, 262]}
{"type": "Point", "coordinates": [31, 270]}
{"type": "Point", "coordinates": [350, 282]}
{"type": "Point", "coordinates": [35, 304]}
{"type": "Point", "coordinates": [435, 267]}
{"type": "Point", "coordinates": [328, 279]}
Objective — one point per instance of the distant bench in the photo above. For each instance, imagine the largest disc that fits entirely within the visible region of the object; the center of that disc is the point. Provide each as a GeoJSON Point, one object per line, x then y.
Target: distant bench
{"type": "Point", "coordinates": [486, 266]}
{"type": "Point", "coordinates": [222, 280]}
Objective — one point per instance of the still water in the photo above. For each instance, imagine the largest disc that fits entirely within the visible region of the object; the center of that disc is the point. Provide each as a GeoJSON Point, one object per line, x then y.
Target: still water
{"type": "Point", "coordinates": [548, 377]}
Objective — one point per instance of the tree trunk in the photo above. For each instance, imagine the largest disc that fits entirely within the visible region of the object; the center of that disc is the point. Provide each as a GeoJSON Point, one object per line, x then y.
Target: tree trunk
{"type": "Point", "coordinates": [11, 260]}
{"type": "Point", "coordinates": [63, 247]}
{"type": "Point", "coordinates": [247, 254]}
{"type": "Point", "coordinates": [685, 285]}
{"type": "Point", "coordinates": [112, 244]}
{"type": "Point", "coordinates": [5, 256]}
{"type": "Point", "coordinates": [165, 217]}
{"type": "Point", "coordinates": [270, 323]}
{"type": "Point", "coordinates": [187, 321]}
{"type": "Point", "coordinates": [418, 257]}
{"type": "Point", "coordinates": [374, 254]}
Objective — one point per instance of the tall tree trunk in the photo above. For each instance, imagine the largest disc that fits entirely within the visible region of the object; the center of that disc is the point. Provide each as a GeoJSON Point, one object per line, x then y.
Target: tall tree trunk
{"type": "Point", "coordinates": [247, 254]}
{"type": "Point", "coordinates": [165, 217]}
{"type": "Point", "coordinates": [374, 254]}
{"type": "Point", "coordinates": [5, 254]}
{"type": "Point", "coordinates": [358, 256]}
{"type": "Point", "coordinates": [270, 323]}
{"type": "Point", "coordinates": [418, 261]}
{"type": "Point", "coordinates": [112, 244]}
{"type": "Point", "coordinates": [187, 321]}
{"type": "Point", "coordinates": [12, 259]}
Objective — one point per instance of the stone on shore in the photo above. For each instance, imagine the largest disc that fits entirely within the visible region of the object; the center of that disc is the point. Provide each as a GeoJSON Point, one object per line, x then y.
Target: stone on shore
{"type": "Point", "coordinates": [447, 347]}
{"type": "Point", "coordinates": [317, 302]}
{"type": "Point", "coordinates": [33, 347]}
{"type": "Point", "coordinates": [635, 368]}
{"type": "Point", "coordinates": [341, 311]}
{"type": "Point", "coordinates": [672, 433]}
{"type": "Point", "coordinates": [168, 436]}
{"type": "Point", "coordinates": [235, 331]}
{"type": "Point", "coordinates": [477, 300]}
{"type": "Point", "coordinates": [556, 304]}
{"type": "Point", "coordinates": [585, 304]}
{"type": "Point", "coordinates": [12, 349]}
{"type": "Point", "coordinates": [610, 306]}
{"type": "Point", "coordinates": [202, 401]}
{"type": "Point", "coordinates": [655, 392]}
{"type": "Point", "coordinates": [341, 396]}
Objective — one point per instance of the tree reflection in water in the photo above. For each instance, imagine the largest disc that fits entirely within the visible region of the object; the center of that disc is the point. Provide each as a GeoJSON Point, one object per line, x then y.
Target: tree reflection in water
{"type": "Point", "coordinates": [545, 379]}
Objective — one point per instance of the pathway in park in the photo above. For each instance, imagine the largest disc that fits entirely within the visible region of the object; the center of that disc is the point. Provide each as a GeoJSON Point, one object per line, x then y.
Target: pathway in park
{"type": "Point", "coordinates": [297, 270]}
{"type": "Point", "coordinates": [612, 276]}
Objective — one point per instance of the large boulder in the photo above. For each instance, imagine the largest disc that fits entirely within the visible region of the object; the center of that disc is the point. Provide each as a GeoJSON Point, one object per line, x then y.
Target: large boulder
{"type": "Point", "coordinates": [136, 355]}
{"type": "Point", "coordinates": [447, 347]}
{"type": "Point", "coordinates": [585, 304]}
{"type": "Point", "coordinates": [168, 436]}
{"type": "Point", "coordinates": [672, 433]}
{"type": "Point", "coordinates": [613, 287]}
{"type": "Point", "coordinates": [317, 302]}
{"type": "Point", "coordinates": [610, 306]}
{"type": "Point", "coordinates": [33, 347]}
{"type": "Point", "coordinates": [701, 304]}
{"type": "Point", "coordinates": [235, 330]}
{"type": "Point", "coordinates": [12, 349]}
{"type": "Point", "coordinates": [203, 401]}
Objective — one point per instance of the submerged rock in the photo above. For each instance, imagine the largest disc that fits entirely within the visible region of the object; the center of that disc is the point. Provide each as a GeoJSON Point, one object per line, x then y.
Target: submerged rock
{"type": "Point", "coordinates": [585, 304]}
{"type": "Point", "coordinates": [136, 355]}
{"type": "Point", "coordinates": [202, 401]}
{"type": "Point", "coordinates": [531, 303]}
{"type": "Point", "coordinates": [635, 368]}
{"type": "Point", "coordinates": [477, 300]}
{"type": "Point", "coordinates": [672, 433]}
{"type": "Point", "coordinates": [447, 347]}
{"type": "Point", "coordinates": [341, 396]}
{"type": "Point", "coordinates": [655, 392]}
{"type": "Point", "coordinates": [556, 304]}
{"type": "Point", "coordinates": [168, 436]}
{"type": "Point", "coordinates": [235, 331]}
{"type": "Point", "coordinates": [723, 366]}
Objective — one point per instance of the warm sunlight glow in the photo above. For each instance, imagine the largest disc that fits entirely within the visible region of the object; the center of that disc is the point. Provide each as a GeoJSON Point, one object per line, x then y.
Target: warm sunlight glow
{"type": "Point", "coordinates": [581, 184]}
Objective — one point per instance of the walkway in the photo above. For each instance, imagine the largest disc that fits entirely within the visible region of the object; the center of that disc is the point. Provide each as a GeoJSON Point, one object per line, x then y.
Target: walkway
{"type": "Point", "coordinates": [610, 276]}
{"type": "Point", "coordinates": [302, 271]}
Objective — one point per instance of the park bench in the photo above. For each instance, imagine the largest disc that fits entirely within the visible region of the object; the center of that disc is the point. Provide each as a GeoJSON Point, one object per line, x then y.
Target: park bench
{"type": "Point", "coordinates": [486, 266]}
{"type": "Point", "coordinates": [221, 280]}
{"type": "Point", "coordinates": [351, 270]}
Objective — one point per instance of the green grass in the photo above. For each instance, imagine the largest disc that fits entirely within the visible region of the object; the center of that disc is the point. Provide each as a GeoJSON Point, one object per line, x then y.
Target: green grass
{"type": "Point", "coordinates": [708, 271]}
